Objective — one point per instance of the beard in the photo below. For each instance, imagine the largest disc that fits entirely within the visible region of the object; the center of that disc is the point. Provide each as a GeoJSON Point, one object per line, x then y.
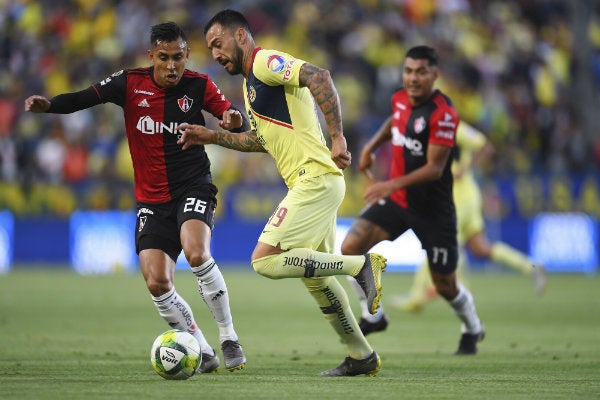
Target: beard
{"type": "Point", "coordinates": [236, 62]}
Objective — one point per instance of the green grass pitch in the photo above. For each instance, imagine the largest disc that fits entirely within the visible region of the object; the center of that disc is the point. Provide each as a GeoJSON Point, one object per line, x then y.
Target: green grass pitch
{"type": "Point", "coordinates": [65, 336]}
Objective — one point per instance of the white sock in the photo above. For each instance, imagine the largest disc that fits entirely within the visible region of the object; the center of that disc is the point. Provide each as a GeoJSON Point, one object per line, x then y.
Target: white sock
{"type": "Point", "coordinates": [364, 306]}
{"type": "Point", "coordinates": [464, 307]}
{"type": "Point", "coordinates": [213, 290]}
{"type": "Point", "coordinates": [178, 314]}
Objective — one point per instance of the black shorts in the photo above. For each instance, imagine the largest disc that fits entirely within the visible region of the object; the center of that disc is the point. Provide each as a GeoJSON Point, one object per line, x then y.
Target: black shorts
{"type": "Point", "coordinates": [158, 225]}
{"type": "Point", "coordinates": [437, 236]}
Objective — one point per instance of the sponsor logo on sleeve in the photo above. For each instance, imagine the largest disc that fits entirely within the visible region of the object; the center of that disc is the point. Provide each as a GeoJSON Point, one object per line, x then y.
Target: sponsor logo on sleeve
{"type": "Point", "coordinates": [288, 70]}
{"type": "Point", "coordinates": [442, 134]}
{"type": "Point", "coordinates": [447, 121]}
{"type": "Point", "coordinates": [276, 63]}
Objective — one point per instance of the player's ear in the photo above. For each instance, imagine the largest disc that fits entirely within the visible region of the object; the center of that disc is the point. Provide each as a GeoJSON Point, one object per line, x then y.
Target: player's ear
{"type": "Point", "coordinates": [241, 35]}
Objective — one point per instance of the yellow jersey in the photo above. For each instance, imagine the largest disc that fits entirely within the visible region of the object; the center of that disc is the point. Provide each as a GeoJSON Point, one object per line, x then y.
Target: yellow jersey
{"type": "Point", "coordinates": [466, 191]}
{"type": "Point", "coordinates": [469, 141]}
{"type": "Point", "coordinates": [285, 117]}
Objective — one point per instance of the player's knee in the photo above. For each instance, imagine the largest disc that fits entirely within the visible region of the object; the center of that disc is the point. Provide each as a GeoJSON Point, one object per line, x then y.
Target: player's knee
{"type": "Point", "coordinates": [445, 285]}
{"type": "Point", "coordinates": [197, 256]}
{"type": "Point", "coordinates": [480, 251]}
{"type": "Point", "coordinates": [448, 290]}
{"type": "Point", "coordinates": [350, 247]}
{"type": "Point", "coordinates": [480, 246]}
{"type": "Point", "coordinates": [265, 266]}
{"type": "Point", "coordinates": [158, 287]}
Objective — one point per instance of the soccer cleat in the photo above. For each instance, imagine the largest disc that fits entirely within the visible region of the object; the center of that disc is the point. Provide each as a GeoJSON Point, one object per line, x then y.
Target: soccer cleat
{"type": "Point", "coordinates": [210, 363]}
{"type": "Point", "coordinates": [233, 355]}
{"type": "Point", "coordinates": [369, 366]}
{"type": "Point", "coordinates": [539, 278]}
{"type": "Point", "coordinates": [367, 327]}
{"type": "Point", "coordinates": [406, 303]}
{"type": "Point", "coordinates": [369, 279]}
{"type": "Point", "coordinates": [468, 343]}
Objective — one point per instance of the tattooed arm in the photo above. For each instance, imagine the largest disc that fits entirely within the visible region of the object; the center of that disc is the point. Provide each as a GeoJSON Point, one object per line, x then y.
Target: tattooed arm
{"type": "Point", "coordinates": [320, 84]}
{"type": "Point", "coordinates": [198, 134]}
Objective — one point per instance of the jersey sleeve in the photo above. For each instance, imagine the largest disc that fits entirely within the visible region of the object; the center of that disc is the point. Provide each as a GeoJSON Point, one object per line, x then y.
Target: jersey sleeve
{"type": "Point", "coordinates": [215, 101]}
{"type": "Point", "coordinates": [67, 103]}
{"type": "Point", "coordinates": [112, 89]}
{"type": "Point", "coordinates": [277, 68]}
{"type": "Point", "coordinates": [444, 122]}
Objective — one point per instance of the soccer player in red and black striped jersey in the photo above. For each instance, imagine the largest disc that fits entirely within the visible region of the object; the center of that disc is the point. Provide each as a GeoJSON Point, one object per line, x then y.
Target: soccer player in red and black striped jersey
{"type": "Point", "coordinates": [418, 193]}
{"type": "Point", "coordinates": [173, 187]}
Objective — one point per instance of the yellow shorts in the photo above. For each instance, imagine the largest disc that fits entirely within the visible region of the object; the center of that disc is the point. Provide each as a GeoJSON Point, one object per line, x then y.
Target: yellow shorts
{"type": "Point", "coordinates": [306, 217]}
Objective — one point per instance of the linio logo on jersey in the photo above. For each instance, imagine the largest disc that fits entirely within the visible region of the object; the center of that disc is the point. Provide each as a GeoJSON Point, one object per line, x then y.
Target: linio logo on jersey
{"type": "Point", "coordinates": [148, 126]}
{"type": "Point", "coordinates": [399, 139]}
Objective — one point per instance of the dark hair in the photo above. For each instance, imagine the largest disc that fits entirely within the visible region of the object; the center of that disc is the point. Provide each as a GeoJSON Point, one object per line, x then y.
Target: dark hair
{"type": "Point", "coordinates": [228, 19]}
{"type": "Point", "coordinates": [423, 53]}
{"type": "Point", "coordinates": [167, 31]}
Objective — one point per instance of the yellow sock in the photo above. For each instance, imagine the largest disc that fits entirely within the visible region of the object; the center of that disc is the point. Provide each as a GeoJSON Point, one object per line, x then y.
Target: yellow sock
{"type": "Point", "coordinates": [334, 304]}
{"type": "Point", "coordinates": [421, 283]}
{"type": "Point", "coordinates": [511, 257]}
{"type": "Point", "coordinates": [307, 263]}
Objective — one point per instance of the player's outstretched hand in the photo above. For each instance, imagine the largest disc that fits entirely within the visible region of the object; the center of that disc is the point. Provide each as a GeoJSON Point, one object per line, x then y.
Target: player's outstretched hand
{"type": "Point", "coordinates": [232, 119]}
{"type": "Point", "coordinates": [37, 104]}
{"type": "Point", "coordinates": [194, 134]}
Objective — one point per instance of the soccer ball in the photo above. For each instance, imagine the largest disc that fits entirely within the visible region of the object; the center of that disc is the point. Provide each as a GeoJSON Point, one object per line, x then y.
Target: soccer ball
{"type": "Point", "coordinates": [175, 354]}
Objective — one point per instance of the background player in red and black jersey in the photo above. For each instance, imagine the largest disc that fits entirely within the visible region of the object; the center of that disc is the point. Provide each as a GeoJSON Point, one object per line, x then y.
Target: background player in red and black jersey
{"type": "Point", "coordinates": [173, 187]}
{"type": "Point", "coordinates": [418, 193]}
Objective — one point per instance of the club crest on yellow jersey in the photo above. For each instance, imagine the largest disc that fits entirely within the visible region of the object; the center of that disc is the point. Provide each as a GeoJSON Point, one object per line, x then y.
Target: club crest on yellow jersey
{"type": "Point", "coordinates": [251, 94]}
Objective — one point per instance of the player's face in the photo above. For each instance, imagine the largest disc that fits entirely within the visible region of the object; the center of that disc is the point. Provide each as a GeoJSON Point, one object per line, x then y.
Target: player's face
{"type": "Point", "coordinates": [419, 78]}
{"type": "Point", "coordinates": [225, 49]}
{"type": "Point", "coordinates": [169, 60]}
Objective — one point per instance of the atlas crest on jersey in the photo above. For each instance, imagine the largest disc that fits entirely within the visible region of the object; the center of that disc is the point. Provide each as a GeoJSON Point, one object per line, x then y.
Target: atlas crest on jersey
{"type": "Point", "coordinates": [420, 124]}
{"type": "Point", "coordinates": [185, 103]}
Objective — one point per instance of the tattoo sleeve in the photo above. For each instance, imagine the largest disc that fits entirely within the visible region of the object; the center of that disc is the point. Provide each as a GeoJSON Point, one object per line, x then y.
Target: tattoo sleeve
{"type": "Point", "coordinates": [246, 141]}
{"type": "Point", "coordinates": [320, 84]}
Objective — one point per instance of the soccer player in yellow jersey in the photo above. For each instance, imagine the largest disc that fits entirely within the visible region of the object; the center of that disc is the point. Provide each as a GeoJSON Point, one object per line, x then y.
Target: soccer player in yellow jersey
{"type": "Point", "coordinates": [298, 240]}
{"type": "Point", "coordinates": [472, 146]}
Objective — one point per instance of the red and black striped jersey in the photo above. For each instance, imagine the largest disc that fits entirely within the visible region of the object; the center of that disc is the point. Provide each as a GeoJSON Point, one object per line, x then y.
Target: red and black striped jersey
{"type": "Point", "coordinates": [413, 129]}
{"type": "Point", "coordinates": [162, 170]}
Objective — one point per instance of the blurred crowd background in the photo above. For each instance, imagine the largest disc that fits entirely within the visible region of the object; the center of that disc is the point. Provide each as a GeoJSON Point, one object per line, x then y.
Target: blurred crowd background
{"type": "Point", "coordinates": [525, 72]}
